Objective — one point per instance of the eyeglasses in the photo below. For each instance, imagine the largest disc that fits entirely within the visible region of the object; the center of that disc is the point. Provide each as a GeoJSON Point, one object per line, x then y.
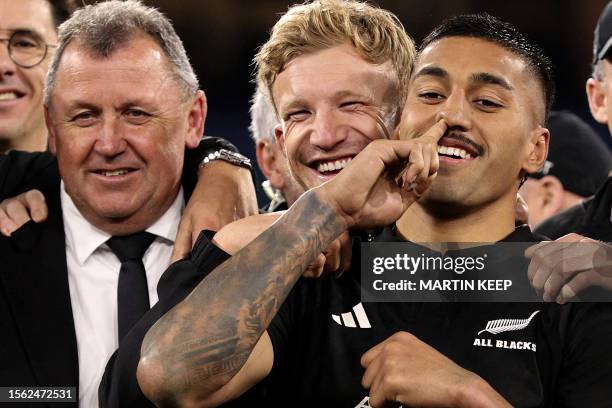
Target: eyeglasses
{"type": "Point", "coordinates": [26, 49]}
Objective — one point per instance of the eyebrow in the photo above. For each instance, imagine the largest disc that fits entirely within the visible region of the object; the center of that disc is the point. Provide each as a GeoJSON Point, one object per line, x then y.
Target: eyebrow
{"type": "Point", "coordinates": [78, 104]}
{"type": "Point", "coordinates": [432, 71]}
{"type": "Point", "coordinates": [23, 30]}
{"type": "Point", "coordinates": [296, 103]}
{"type": "Point", "coordinates": [483, 78]}
{"type": "Point", "coordinates": [300, 103]}
{"type": "Point", "coordinates": [351, 94]}
{"type": "Point", "coordinates": [490, 79]}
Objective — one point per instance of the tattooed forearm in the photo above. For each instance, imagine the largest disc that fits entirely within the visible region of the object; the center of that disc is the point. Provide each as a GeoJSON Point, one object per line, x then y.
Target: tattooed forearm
{"type": "Point", "coordinates": [204, 341]}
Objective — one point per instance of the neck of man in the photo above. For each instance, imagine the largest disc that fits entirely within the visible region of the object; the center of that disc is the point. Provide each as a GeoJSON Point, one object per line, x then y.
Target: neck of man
{"type": "Point", "coordinates": [34, 140]}
{"type": "Point", "coordinates": [490, 222]}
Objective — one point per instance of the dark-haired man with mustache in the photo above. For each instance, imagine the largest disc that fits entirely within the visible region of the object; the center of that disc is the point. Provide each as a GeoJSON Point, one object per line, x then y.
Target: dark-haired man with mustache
{"type": "Point", "coordinates": [478, 97]}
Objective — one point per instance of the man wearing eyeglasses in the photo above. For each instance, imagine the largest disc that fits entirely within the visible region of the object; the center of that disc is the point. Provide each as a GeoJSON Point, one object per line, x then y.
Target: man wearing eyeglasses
{"type": "Point", "coordinates": [28, 35]}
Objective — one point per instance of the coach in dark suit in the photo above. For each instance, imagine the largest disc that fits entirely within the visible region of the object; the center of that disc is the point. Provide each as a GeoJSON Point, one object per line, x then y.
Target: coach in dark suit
{"type": "Point", "coordinates": [121, 104]}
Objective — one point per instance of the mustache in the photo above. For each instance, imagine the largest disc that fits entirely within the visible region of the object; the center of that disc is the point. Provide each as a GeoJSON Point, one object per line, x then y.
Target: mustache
{"type": "Point", "coordinates": [459, 136]}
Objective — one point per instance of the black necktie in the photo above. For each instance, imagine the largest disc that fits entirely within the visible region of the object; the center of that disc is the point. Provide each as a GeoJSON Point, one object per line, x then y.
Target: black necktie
{"type": "Point", "coordinates": [132, 291]}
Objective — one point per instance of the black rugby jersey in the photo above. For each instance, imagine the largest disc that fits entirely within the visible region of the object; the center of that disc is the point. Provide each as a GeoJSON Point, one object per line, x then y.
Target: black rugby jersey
{"type": "Point", "coordinates": [560, 358]}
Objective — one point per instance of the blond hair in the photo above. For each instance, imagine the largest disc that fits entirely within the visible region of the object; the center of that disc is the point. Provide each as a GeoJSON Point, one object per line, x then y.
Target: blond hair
{"type": "Point", "coordinates": [377, 35]}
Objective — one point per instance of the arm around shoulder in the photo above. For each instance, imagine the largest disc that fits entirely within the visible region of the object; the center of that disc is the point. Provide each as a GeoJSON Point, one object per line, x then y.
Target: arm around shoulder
{"type": "Point", "coordinates": [194, 352]}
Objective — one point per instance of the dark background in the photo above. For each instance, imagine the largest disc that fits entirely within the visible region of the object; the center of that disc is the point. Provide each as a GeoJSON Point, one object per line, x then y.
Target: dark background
{"type": "Point", "coordinates": [221, 37]}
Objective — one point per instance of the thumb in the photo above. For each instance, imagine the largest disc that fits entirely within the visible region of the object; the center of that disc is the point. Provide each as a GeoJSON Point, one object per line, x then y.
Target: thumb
{"type": "Point", "coordinates": [182, 243]}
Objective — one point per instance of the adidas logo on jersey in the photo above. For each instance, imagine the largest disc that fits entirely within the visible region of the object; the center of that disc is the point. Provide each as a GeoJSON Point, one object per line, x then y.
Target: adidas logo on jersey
{"type": "Point", "coordinates": [355, 318]}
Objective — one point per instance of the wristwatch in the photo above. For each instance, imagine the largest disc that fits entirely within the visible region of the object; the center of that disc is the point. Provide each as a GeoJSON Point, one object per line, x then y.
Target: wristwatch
{"type": "Point", "coordinates": [228, 156]}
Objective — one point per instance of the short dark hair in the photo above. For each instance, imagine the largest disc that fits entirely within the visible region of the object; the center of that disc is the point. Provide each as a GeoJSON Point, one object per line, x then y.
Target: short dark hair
{"type": "Point", "coordinates": [61, 10]}
{"type": "Point", "coordinates": [489, 28]}
{"type": "Point", "coordinates": [103, 28]}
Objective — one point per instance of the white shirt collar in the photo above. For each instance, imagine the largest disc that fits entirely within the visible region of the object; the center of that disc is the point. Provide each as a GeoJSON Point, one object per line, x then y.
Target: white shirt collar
{"type": "Point", "coordinates": [90, 238]}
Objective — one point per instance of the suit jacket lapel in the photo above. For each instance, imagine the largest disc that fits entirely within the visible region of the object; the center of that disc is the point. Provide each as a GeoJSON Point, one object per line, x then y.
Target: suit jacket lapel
{"type": "Point", "coordinates": [40, 298]}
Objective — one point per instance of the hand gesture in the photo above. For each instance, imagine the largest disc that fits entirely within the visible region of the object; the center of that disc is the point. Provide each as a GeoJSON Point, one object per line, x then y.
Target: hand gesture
{"type": "Point", "coordinates": [384, 179]}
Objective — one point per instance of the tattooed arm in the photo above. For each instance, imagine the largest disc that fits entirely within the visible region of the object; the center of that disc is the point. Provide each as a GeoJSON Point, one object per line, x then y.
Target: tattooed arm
{"type": "Point", "coordinates": [207, 338]}
{"type": "Point", "coordinates": [197, 353]}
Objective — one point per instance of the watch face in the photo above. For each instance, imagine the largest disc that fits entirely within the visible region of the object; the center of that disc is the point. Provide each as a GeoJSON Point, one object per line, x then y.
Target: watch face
{"type": "Point", "coordinates": [234, 158]}
{"type": "Point", "coordinates": [234, 154]}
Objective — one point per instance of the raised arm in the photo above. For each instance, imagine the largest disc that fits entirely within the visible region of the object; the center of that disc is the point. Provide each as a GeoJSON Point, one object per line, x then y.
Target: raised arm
{"type": "Point", "coordinates": [207, 338]}
{"type": "Point", "coordinates": [193, 352]}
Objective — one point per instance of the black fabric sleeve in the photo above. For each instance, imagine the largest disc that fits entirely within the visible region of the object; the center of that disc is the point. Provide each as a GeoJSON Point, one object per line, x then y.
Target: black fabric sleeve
{"type": "Point", "coordinates": [282, 330]}
{"type": "Point", "coordinates": [586, 372]}
{"type": "Point", "coordinates": [119, 387]}
{"type": "Point", "coordinates": [563, 223]}
{"type": "Point", "coordinates": [22, 171]}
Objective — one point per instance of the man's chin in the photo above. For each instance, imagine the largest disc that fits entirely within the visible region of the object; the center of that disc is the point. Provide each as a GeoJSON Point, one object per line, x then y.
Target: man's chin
{"type": "Point", "coordinates": [9, 133]}
{"type": "Point", "coordinates": [308, 182]}
{"type": "Point", "coordinates": [115, 212]}
{"type": "Point", "coordinates": [444, 198]}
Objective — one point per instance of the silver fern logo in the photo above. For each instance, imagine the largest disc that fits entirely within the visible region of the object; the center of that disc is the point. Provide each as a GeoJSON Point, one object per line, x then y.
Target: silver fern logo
{"type": "Point", "coordinates": [504, 325]}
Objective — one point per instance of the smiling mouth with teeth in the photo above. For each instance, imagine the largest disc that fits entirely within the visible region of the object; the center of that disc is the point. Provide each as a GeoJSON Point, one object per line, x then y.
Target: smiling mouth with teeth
{"type": "Point", "coordinates": [332, 166]}
{"type": "Point", "coordinates": [114, 173]}
{"type": "Point", "coordinates": [8, 96]}
{"type": "Point", "coordinates": [453, 152]}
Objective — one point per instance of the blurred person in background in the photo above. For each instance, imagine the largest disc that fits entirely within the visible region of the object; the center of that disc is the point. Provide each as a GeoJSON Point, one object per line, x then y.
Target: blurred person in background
{"type": "Point", "coordinates": [28, 31]}
{"type": "Point", "coordinates": [280, 186]}
{"type": "Point", "coordinates": [560, 270]}
{"type": "Point", "coordinates": [593, 217]}
{"type": "Point", "coordinates": [578, 163]}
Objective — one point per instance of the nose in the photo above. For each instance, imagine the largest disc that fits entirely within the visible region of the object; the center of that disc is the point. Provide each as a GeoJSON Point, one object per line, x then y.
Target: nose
{"type": "Point", "coordinates": [7, 66]}
{"type": "Point", "coordinates": [456, 111]}
{"type": "Point", "coordinates": [327, 132]}
{"type": "Point", "coordinates": [110, 141]}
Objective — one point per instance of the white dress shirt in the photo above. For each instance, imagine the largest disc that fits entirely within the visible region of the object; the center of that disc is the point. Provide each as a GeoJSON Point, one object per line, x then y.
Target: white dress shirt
{"type": "Point", "coordinates": [93, 275]}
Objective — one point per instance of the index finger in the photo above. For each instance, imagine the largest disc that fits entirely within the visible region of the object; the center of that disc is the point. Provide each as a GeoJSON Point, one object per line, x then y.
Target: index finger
{"type": "Point", "coordinates": [35, 201]}
{"type": "Point", "coordinates": [436, 131]}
